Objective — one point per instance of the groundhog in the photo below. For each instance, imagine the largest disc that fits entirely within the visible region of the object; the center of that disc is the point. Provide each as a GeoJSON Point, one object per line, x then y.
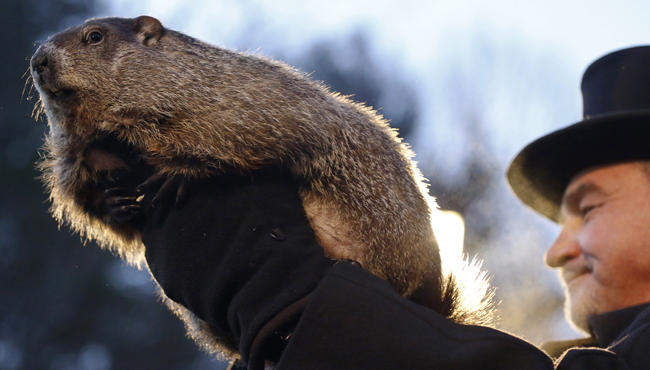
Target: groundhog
{"type": "Point", "coordinates": [128, 98]}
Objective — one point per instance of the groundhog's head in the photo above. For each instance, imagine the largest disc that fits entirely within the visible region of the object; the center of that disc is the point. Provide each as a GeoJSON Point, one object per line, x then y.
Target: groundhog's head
{"type": "Point", "coordinates": [97, 72]}
{"type": "Point", "coordinates": [109, 74]}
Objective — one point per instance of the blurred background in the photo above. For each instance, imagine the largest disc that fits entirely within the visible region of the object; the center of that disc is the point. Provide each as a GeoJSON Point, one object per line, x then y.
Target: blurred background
{"type": "Point", "coordinates": [468, 84]}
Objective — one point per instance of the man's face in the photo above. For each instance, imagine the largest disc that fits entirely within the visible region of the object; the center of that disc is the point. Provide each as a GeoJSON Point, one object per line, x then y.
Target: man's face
{"type": "Point", "coordinates": [603, 251]}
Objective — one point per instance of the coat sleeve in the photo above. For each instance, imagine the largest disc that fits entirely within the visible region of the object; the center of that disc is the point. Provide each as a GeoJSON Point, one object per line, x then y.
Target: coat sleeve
{"type": "Point", "coordinates": [355, 320]}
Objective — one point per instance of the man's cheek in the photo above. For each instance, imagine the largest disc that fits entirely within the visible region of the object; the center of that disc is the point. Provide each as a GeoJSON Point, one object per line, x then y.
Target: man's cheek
{"type": "Point", "coordinates": [591, 238]}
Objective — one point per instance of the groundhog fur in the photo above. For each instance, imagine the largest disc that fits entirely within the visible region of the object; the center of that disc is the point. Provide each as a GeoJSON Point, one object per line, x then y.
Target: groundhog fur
{"type": "Point", "coordinates": [181, 106]}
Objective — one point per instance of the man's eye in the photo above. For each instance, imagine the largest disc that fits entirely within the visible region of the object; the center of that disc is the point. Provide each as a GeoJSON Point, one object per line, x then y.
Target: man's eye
{"type": "Point", "coordinates": [586, 210]}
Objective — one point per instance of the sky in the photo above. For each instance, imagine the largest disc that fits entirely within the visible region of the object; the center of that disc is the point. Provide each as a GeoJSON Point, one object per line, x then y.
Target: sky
{"type": "Point", "coordinates": [520, 61]}
{"type": "Point", "coordinates": [581, 30]}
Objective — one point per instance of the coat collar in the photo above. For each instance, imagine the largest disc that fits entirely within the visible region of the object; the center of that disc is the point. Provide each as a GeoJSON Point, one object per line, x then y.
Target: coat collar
{"type": "Point", "coordinates": [607, 327]}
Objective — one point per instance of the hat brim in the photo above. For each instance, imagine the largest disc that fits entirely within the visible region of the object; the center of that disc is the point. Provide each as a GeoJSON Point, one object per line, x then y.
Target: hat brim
{"type": "Point", "coordinates": [540, 173]}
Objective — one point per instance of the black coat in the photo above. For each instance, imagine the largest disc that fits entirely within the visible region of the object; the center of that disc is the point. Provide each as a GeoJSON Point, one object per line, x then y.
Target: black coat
{"type": "Point", "coordinates": [356, 321]}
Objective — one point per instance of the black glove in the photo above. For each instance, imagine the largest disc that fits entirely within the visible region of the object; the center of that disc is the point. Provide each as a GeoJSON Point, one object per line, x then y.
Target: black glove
{"type": "Point", "coordinates": [240, 254]}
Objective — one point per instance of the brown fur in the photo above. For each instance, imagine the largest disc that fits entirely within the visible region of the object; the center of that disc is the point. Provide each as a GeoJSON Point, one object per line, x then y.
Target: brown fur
{"type": "Point", "coordinates": [192, 108]}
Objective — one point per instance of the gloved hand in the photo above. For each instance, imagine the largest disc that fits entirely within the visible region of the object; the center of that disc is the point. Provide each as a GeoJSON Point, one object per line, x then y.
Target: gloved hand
{"type": "Point", "coordinates": [240, 254]}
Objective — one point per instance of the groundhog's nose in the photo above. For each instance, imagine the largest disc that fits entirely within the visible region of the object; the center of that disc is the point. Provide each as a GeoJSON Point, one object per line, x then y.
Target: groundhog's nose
{"type": "Point", "coordinates": [39, 62]}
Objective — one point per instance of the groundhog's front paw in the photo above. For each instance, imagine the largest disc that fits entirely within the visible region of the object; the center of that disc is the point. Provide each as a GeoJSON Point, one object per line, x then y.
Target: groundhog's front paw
{"type": "Point", "coordinates": [169, 190]}
{"type": "Point", "coordinates": [122, 208]}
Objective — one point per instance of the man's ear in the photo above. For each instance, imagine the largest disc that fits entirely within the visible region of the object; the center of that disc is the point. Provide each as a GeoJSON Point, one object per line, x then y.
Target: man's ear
{"type": "Point", "coordinates": [148, 30]}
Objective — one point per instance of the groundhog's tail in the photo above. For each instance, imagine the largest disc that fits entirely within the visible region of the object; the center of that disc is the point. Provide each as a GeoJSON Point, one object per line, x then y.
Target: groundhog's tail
{"type": "Point", "coordinates": [467, 297]}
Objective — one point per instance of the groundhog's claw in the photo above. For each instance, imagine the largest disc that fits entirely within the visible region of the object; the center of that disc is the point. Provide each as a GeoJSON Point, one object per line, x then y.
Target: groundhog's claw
{"type": "Point", "coordinates": [151, 183]}
{"type": "Point", "coordinates": [172, 190]}
{"type": "Point", "coordinates": [122, 209]}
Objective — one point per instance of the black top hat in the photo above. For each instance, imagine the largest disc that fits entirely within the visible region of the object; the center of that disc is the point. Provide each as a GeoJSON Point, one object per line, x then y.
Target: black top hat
{"type": "Point", "coordinates": [615, 128]}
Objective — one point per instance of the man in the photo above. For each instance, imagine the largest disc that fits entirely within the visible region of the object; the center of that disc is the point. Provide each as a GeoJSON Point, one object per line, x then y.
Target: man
{"type": "Point", "coordinates": [241, 256]}
{"type": "Point", "coordinates": [593, 178]}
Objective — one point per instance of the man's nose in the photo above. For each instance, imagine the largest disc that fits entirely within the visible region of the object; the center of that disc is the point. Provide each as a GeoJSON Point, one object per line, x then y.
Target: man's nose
{"type": "Point", "coordinates": [566, 247]}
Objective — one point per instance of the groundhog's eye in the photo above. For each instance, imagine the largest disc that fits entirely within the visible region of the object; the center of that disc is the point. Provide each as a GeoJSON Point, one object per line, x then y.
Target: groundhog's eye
{"type": "Point", "coordinates": [94, 37]}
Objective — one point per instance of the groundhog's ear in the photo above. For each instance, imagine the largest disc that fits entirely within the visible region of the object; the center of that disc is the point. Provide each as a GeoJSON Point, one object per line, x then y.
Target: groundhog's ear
{"type": "Point", "coordinates": [148, 29]}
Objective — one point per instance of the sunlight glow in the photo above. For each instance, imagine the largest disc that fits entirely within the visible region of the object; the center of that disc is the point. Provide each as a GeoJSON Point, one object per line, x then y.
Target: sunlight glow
{"type": "Point", "coordinates": [449, 229]}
